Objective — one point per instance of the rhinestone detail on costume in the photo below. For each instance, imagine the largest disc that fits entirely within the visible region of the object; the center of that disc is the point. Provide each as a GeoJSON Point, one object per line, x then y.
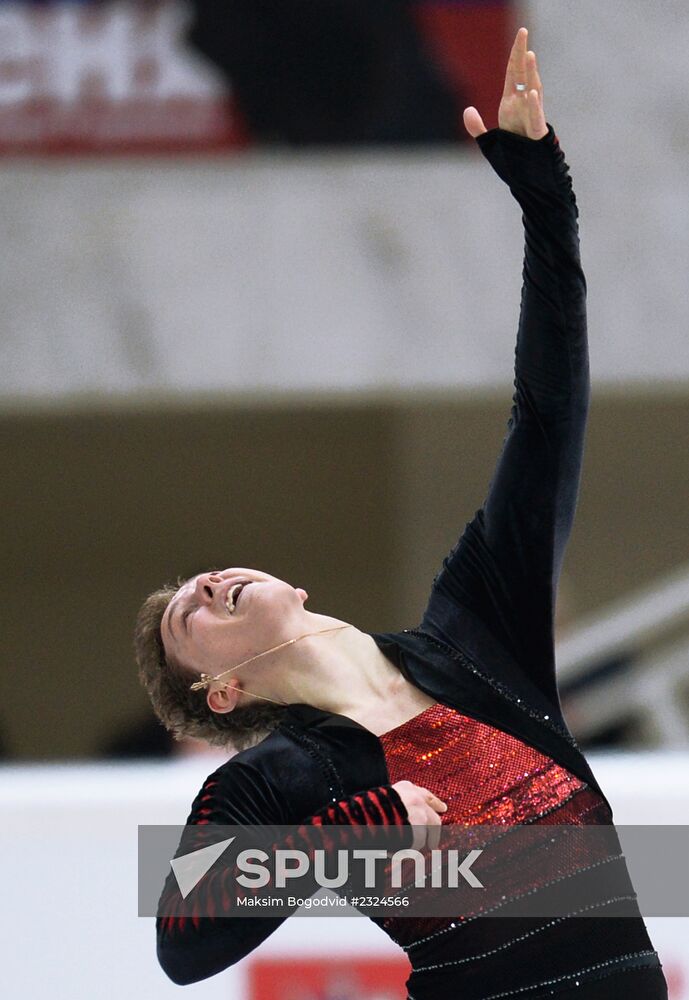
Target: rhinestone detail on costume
{"type": "Point", "coordinates": [335, 785]}
{"type": "Point", "coordinates": [496, 685]}
{"type": "Point", "coordinates": [486, 777]}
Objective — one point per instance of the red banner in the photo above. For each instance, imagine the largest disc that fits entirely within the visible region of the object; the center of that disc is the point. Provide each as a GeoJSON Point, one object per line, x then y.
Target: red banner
{"type": "Point", "coordinates": [340, 977]}
{"type": "Point", "coordinates": [120, 77]}
{"type": "Point", "coordinates": [107, 78]}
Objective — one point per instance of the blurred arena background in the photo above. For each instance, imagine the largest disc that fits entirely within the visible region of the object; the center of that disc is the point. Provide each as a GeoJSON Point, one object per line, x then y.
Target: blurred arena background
{"type": "Point", "coordinates": [259, 300]}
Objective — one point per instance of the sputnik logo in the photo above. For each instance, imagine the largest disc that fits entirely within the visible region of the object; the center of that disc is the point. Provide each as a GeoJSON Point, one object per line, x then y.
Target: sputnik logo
{"type": "Point", "coordinates": [189, 869]}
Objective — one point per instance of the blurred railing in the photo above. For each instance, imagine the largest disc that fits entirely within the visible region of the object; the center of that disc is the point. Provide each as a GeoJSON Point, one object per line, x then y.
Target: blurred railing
{"type": "Point", "coordinates": [627, 662]}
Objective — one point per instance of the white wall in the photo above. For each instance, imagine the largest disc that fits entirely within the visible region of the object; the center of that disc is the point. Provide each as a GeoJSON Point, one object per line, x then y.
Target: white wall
{"type": "Point", "coordinates": [68, 844]}
{"type": "Point", "coordinates": [263, 273]}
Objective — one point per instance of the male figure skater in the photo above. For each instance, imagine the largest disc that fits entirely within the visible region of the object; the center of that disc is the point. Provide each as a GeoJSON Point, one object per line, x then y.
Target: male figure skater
{"type": "Point", "coordinates": [456, 721]}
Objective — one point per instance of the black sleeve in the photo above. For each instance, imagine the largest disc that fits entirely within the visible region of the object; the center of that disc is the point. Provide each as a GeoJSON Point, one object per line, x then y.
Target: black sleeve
{"type": "Point", "coordinates": [192, 947]}
{"type": "Point", "coordinates": [505, 567]}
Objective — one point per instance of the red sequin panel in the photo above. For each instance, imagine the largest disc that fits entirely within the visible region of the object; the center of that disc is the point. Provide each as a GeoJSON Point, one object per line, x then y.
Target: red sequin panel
{"type": "Point", "coordinates": [485, 776]}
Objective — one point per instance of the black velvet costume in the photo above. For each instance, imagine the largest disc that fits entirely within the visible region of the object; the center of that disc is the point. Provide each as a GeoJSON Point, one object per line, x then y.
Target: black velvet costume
{"type": "Point", "coordinates": [484, 648]}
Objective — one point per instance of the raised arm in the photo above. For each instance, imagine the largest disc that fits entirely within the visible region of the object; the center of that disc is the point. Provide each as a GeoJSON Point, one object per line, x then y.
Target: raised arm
{"type": "Point", "coordinates": [503, 572]}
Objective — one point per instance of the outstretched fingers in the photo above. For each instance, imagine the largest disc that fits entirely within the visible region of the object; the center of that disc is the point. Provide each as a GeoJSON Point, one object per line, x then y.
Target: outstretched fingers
{"type": "Point", "coordinates": [520, 111]}
{"type": "Point", "coordinates": [516, 64]}
{"type": "Point", "coordinates": [538, 126]}
{"type": "Point", "coordinates": [533, 78]}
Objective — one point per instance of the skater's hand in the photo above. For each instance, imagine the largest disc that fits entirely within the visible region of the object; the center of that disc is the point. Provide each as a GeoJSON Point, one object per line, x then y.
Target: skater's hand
{"type": "Point", "coordinates": [520, 112]}
{"type": "Point", "coordinates": [423, 809]}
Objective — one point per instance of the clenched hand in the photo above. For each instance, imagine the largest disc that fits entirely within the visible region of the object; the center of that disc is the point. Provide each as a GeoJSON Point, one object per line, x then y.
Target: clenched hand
{"type": "Point", "coordinates": [423, 807]}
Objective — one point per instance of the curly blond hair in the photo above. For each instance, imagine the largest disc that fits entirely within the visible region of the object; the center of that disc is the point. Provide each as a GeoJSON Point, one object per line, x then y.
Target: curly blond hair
{"type": "Point", "coordinates": [184, 712]}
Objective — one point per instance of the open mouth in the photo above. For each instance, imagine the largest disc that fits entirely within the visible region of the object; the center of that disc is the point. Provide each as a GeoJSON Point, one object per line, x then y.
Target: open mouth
{"type": "Point", "coordinates": [233, 595]}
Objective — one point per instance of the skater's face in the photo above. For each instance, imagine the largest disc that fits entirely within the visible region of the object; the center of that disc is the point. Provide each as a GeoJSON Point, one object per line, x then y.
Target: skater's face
{"type": "Point", "coordinates": [221, 618]}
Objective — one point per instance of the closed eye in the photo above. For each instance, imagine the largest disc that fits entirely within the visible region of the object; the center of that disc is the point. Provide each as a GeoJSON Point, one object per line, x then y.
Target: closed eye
{"type": "Point", "coordinates": [185, 616]}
